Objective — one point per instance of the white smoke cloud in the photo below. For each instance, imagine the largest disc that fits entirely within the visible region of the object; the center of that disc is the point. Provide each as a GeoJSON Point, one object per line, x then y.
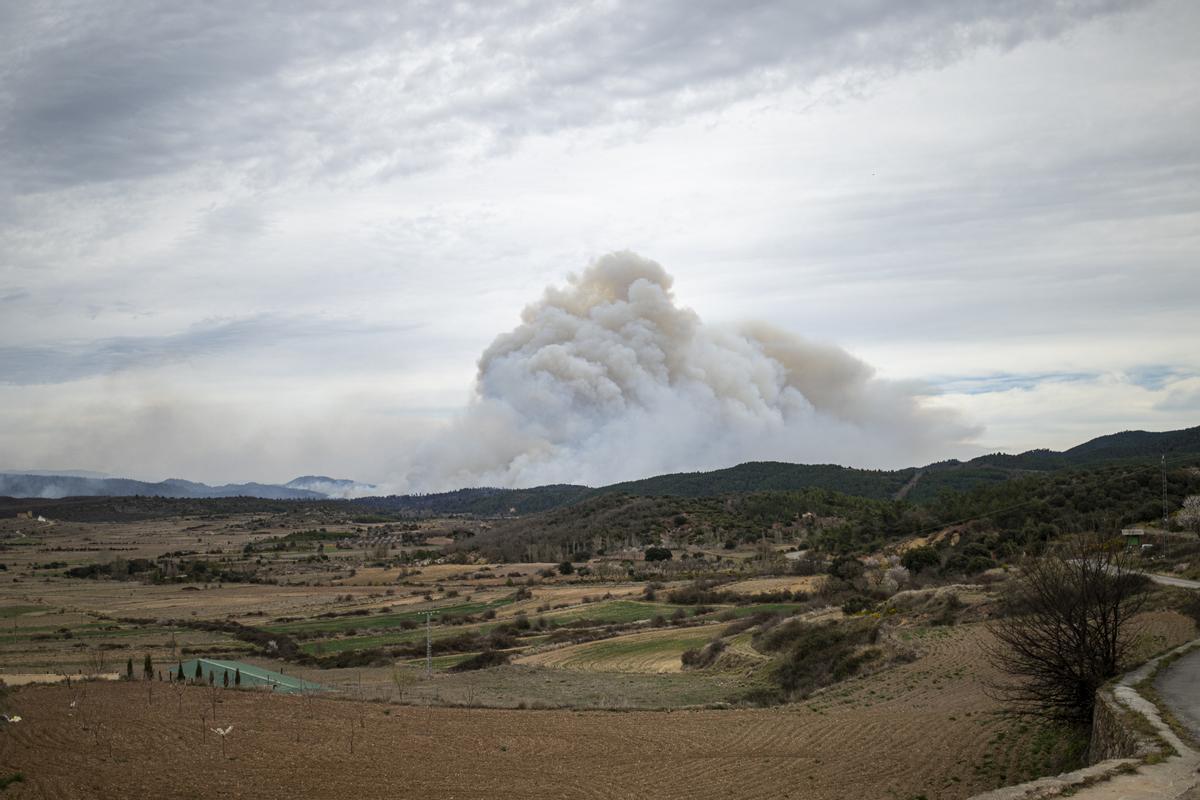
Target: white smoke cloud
{"type": "Point", "coordinates": [607, 379]}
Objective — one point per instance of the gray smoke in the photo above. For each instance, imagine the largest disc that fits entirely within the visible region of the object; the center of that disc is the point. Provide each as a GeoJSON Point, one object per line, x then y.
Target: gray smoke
{"type": "Point", "coordinates": [607, 379]}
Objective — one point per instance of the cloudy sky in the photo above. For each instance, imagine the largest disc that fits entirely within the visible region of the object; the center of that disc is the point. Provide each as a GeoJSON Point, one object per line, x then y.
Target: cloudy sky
{"type": "Point", "coordinates": [254, 240]}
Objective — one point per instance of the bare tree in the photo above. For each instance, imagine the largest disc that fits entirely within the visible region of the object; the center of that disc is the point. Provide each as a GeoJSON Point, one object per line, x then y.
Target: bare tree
{"type": "Point", "coordinates": [1066, 628]}
{"type": "Point", "coordinates": [96, 661]}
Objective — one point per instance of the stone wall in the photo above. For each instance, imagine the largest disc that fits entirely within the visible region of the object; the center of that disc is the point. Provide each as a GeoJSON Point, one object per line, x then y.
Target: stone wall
{"type": "Point", "coordinates": [1115, 734]}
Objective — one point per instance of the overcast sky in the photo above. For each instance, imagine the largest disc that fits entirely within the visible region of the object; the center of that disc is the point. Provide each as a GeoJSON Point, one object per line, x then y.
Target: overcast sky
{"type": "Point", "coordinates": [253, 240]}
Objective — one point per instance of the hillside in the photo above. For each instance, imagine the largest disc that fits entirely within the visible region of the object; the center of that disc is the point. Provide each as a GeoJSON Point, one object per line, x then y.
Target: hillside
{"type": "Point", "coordinates": [1007, 516]}
{"type": "Point", "coordinates": [921, 485]}
{"type": "Point", "coordinates": [755, 476]}
{"type": "Point", "coordinates": [485, 501]}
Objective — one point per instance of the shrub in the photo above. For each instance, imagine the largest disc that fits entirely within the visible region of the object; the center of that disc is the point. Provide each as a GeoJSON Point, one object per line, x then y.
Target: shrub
{"type": "Point", "coordinates": [815, 655]}
{"type": "Point", "coordinates": [847, 568]}
{"type": "Point", "coordinates": [698, 592]}
{"type": "Point", "coordinates": [978, 564]}
{"type": "Point", "coordinates": [488, 658]}
{"type": "Point", "coordinates": [701, 657]}
{"type": "Point", "coordinates": [658, 554]}
{"type": "Point", "coordinates": [920, 558]}
{"type": "Point", "coordinates": [857, 604]}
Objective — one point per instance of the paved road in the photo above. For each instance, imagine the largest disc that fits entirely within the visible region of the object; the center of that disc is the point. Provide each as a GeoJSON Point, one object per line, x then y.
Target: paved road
{"type": "Point", "coordinates": [1168, 580]}
{"type": "Point", "coordinates": [1179, 685]}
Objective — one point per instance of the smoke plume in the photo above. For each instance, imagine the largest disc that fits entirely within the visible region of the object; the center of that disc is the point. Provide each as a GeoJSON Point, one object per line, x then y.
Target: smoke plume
{"type": "Point", "coordinates": [607, 379]}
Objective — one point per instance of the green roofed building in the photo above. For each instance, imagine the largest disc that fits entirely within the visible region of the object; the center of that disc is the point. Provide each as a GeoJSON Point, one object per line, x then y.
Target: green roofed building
{"type": "Point", "coordinates": [252, 677]}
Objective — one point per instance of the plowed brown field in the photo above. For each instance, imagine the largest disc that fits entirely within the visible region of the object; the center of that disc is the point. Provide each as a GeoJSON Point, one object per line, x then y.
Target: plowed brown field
{"type": "Point", "coordinates": [922, 728]}
{"type": "Point", "coordinates": [919, 728]}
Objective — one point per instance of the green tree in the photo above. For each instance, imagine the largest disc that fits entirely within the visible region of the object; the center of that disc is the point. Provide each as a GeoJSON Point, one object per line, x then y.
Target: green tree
{"type": "Point", "coordinates": [237, 676]}
{"type": "Point", "coordinates": [147, 668]}
{"type": "Point", "coordinates": [566, 568]}
{"type": "Point", "coordinates": [199, 671]}
{"type": "Point", "coordinates": [129, 669]}
{"type": "Point", "coordinates": [658, 554]}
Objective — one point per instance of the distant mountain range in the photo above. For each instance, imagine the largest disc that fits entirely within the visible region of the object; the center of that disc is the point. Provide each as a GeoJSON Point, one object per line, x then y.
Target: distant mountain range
{"type": "Point", "coordinates": [51, 486]}
{"type": "Point", "coordinates": [917, 484]}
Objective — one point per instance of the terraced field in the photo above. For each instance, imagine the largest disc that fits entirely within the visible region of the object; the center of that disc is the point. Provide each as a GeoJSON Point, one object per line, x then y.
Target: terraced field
{"type": "Point", "coordinates": [790, 583]}
{"type": "Point", "coordinates": [654, 651]}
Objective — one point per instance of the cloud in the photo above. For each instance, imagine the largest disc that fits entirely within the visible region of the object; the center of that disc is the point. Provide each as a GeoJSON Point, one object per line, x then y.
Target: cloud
{"type": "Point", "coordinates": [1002, 382]}
{"type": "Point", "coordinates": [1182, 396]}
{"type": "Point", "coordinates": [65, 361]}
{"type": "Point", "coordinates": [608, 378]}
{"type": "Point", "coordinates": [1061, 413]}
{"type": "Point", "coordinates": [100, 94]}
{"type": "Point", "coordinates": [225, 209]}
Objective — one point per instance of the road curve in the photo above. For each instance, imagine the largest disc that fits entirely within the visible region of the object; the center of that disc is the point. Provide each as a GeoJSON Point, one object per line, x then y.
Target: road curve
{"type": "Point", "coordinates": [1168, 580]}
{"type": "Point", "coordinates": [1179, 685]}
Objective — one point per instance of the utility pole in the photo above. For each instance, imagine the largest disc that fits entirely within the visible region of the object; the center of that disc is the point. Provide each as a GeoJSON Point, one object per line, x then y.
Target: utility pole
{"type": "Point", "coordinates": [1164, 479]}
{"type": "Point", "coordinates": [428, 644]}
{"type": "Point", "coordinates": [1166, 516]}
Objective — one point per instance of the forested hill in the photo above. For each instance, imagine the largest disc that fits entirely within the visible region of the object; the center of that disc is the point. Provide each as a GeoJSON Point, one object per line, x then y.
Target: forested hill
{"type": "Point", "coordinates": [757, 476]}
{"type": "Point", "coordinates": [485, 501]}
{"type": "Point", "coordinates": [994, 521]}
{"type": "Point", "coordinates": [920, 485]}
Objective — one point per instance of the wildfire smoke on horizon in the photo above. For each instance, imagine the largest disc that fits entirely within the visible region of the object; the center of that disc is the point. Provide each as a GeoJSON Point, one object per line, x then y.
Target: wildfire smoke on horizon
{"type": "Point", "coordinates": [607, 379]}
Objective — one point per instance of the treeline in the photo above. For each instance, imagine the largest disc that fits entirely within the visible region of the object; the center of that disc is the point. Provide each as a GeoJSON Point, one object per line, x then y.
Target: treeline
{"type": "Point", "coordinates": [1014, 515]}
{"type": "Point", "coordinates": [146, 570]}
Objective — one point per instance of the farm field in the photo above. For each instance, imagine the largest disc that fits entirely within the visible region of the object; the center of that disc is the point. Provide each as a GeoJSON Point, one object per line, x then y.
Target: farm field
{"type": "Point", "coordinates": [602, 678]}
{"type": "Point", "coordinates": [928, 726]}
{"type": "Point", "coordinates": [655, 651]}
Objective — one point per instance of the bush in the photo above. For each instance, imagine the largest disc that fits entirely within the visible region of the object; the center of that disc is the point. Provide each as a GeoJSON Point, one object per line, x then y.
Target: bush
{"type": "Point", "coordinates": [857, 604]}
{"type": "Point", "coordinates": [701, 657]}
{"type": "Point", "coordinates": [488, 658]}
{"type": "Point", "coordinates": [978, 564]}
{"type": "Point", "coordinates": [815, 655]}
{"type": "Point", "coordinates": [658, 554]}
{"type": "Point", "coordinates": [919, 558]}
{"type": "Point", "coordinates": [699, 592]}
